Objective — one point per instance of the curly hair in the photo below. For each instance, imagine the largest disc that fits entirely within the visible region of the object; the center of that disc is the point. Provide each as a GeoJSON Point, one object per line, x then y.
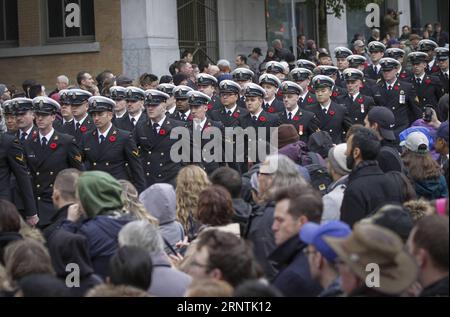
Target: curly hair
{"type": "Point", "coordinates": [421, 166]}
{"type": "Point", "coordinates": [191, 180]}
{"type": "Point", "coordinates": [215, 206]}
{"type": "Point", "coordinates": [132, 205]}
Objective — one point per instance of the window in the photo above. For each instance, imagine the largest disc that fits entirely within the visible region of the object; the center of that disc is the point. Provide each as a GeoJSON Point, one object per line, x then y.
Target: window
{"type": "Point", "coordinates": [9, 30]}
{"type": "Point", "coordinates": [70, 21]}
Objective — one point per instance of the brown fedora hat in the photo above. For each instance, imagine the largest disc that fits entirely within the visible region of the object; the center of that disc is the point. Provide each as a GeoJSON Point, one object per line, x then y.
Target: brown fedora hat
{"type": "Point", "coordinates": [371, 243]}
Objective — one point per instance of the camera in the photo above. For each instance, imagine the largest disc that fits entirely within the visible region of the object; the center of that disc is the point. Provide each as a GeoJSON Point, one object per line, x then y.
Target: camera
{"type": "Point", "coordinates": [428, 114]}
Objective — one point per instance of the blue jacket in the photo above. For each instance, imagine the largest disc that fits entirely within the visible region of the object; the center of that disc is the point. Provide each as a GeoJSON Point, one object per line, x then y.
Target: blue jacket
{"type": "Point", "coordinates": [294, 278]}
{"type": "Point", "coordinates": [101, 233]}
{"type": "Point", "coordinates": [432, 188]}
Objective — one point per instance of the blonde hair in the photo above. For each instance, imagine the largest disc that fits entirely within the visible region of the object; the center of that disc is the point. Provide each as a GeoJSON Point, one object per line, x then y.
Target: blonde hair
{"type": "Point", "coordinates": [132, 205]}
{"type": "Point", "coordinates": [419, 209]}
{"type": "Point", "coordinates": [209, 288]}
{"type": "Point", "coordinates": [191, 180]}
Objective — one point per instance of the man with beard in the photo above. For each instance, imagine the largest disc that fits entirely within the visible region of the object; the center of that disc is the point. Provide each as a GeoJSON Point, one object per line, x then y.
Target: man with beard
{"type": "Point", "coordinates": [368, 187]}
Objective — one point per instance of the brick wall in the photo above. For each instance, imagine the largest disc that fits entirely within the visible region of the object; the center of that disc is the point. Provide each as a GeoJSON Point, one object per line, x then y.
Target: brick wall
{"type": "Point", "coordinates": [46, 68]}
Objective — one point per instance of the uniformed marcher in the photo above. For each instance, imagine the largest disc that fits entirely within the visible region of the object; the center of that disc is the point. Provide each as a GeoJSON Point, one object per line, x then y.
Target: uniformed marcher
{"type": "Point", "coordinates": [305, 122]}
{"type": "Point", "coordinates": [230, 112]}
{"type": "Point", "coordinates": [183, 112]}
{"type": "Point", "coordinates": [82, 123]}
{"type": "Point", "coordinates": [357, 104]}
{"type": "Point", "coordinates": [154, 142]}
{"type": "Point", "coordinates": [442, 60]}
{"type": "Point", "coordinates": [341, 53]}
{"type": "Point", "coordinates": [428, 47]}
{"type": "Point", "coordinates": [171, 102]}
{"type": "Point", "coordinates": [271, 85]}
{"type": "Point", "coordinates": [304, 63]}
{"type": "Point", "coordinates": [23, 109]}
{"type": "Point", "coordinates": [332, 116]}
{"type": "Point", "coordinates": [360, 62]}
{"type": "Point", "coordinates": [242, 76]}
{"type": "Point", "coordinates": [201, 130]}
{"type": "Point", "coordinates": [399, 54]}
{"type": "Point", "coordinates": [135, 109]}
{"type": "Point", "coordinates": [376, 50]}
{"type": "Point", "coordinates": [428, 87]}
{"type": "Point", "coordinates": [277, 69]}
{"type": "Point", "coordinates": [119, 95]}
{"type": "Point", "coordinates": [13, 163]}
{"type": "Point", "coordinates": [302, 77]}
{"type": "Point", "coordinates": [257, 118]}
{"type": "Point", "coordinates": [397, 95]}
{"type": "Point", "coordinates": [207, 84]}
{"type": "Point", "coordinates": [110, 149]}
{"type": "Point", "coordinates": [47, 153]}
{"type": "Point", "coordinates": [10, 117]}
{"type": "Point", "coordinates": [66, 114]}
{"type": "Point", "coordinates": [332, 72]}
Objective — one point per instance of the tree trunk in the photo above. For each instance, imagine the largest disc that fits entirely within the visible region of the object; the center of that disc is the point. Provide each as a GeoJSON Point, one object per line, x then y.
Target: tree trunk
{"type": "Point", "coordinates": [323, 38]}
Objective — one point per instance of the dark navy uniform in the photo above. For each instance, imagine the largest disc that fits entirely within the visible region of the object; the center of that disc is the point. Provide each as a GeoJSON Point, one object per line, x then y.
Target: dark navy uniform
{"type": "Point", "coordinates": [428, 88]}
{"type": "Point", "coordinates": [304, 63]}
{"type": "Point", "coordinates": [13, 162]}
{"type": "Point", "coordinates": [442, 55]}
{"type": "Point", "coordinates": [205, 80]}
{"type": "Point", "coordinates": [180, 93]}
{"type": "Point", "coordinates": [372, 71]}
{"type": "Point", "coordinates": [198, 99]}
{"type": "Point", "coordinates": [128, 123]}
{"type": "Point", "coordinates": [47, 157]}
{"type": "Point", "coordinates": [298, 76]}
{"type": "Point", "coordinates": [335, 120]}
{"type": "Point", "coordinates": [400, 97]}
{"type": "Point", "coordinates": [76, 98]}
{"type": "Point", "coordinates": [341, 53]}
{"type": "Point", "coordinates": [8, 110]}
{"type": "Point", "coordinates": [118, 94]}
{"type": "Point", "coordinates": [117, 154]}
{"type": "Point", "coordinates": [331, 71]}
{"type": "Point", "coordinates": [154, 143]}
{"type": "Point", "coordinates": [242, 76]}
{"type": "Point", "coordinates": [305, 122]}
{"type": "Point", "coordinates": [275, 105]}
{"type": "Point", "coordinates": [428, 46]}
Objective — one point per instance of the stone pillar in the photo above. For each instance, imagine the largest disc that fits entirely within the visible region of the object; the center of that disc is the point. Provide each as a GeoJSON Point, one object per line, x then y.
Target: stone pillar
{"type": "Point", "coordinates": [336, 32]}
{"type": "Point", "coordinates": [149, 36]}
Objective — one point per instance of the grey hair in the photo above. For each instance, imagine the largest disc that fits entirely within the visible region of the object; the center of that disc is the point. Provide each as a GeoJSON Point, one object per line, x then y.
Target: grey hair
{"type": "Point", "coordinates": [285, 174]}
{"type": "Point", "coordinates": [223, 63]}
{"type": "Point", "coordinates": [142, 234]}
{"type": "Point", "coordinates": [63, 78]}
{"type": "Point", "coordinates": [276, 42]}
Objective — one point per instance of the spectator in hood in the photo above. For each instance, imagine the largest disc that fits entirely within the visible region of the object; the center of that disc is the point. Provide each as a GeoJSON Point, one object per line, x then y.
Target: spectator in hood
{"type": "Point", "coordinates": [160, 201]}
{"type": "Point", "coordinates": [101, 206]}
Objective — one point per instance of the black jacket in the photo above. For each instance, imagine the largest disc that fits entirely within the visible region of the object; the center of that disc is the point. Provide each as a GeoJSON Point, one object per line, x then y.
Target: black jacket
{"type": "Point", "coordinates": [275, 106]}
{"type": "Point", "coordinates": [357, 108]}
{"type": "Point", "coordinates": [125, 123]}
{"type": "Point", "coordinates": [429, 91]}
{"type": "Point", "coordinates": [70, 129]}
{"type": "Point", "coordinates": [389, 158]}
{"type": "Point", "coordinates": [368, 189]}
{"type": "Point", "coordinates": [305, 122]}
{"type": "Point", "coordinates": [437, 289]}
{"type": "Point", "coordinates": [117, 155]}
{"type": "Point", "coordinates": [12, 160]}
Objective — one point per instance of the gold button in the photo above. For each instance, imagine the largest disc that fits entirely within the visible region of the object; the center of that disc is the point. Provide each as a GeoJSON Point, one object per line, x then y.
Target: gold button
{"type": "Point", "coordinates": [37, 173]}
{"type": "Point", "coordinates": [37, 186]}
{"type": "Point", "coordinates": [95, 164]}
{"type": "Point", "coordinates": [159, 175]}
{"type": "Point", "coordinates": [162, 154]}
{"type": "Point", "coordinates": [107, 164]}
{"type": "Point", "coordinates": [126, 164]}
{"type": "Point", "coordinates": [149, 152]}
{"type": "Point", "coordinates": [148, 174]}
{"type": "Point", "coordinates": [148, 163]}
{"type": "Point", "coordinates": [51, 173]}
{"type": "Point", "coordinates": [39, 198]}
{"type": "Point", "coordinates": [160, 164]}
{"type": "Point", "coordinates": [51, 185]}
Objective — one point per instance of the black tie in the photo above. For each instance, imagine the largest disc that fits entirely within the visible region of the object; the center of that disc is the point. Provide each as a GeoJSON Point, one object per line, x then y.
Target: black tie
{"type": "Point", "coordinates": [290, 116]}
{"type": "Point", "coordinates": [255, 118]}
{"type": "Point", "coordinates": [324, 111]}
{"type": "Point", "coordinates": [266, 106]}
{"type": "Point", "coordinates": [23, 137]}
{"type": "Point", "coordinates": [229, 113]}
{"type": "Point", "coordinates": [44, 142]}
{"type": "Point", "coordinates": [155, 128]}
{"type": "Point", "coordinates": [102, 139]}
{"type": "Point", "coordinates": [389, 87]}
{"type": "Point", "coordinates": [375, 69]}
{"type": "Point", "coordinates": [183, 116]}
{"type": "Point", "coordinates": [418, 81]}
{"type": "Point", "coordinates": [301, 100]}
{"type": "Point", "coordinates": [78, 126]}
{"type": "Point", "coordinates": [446, 76]}
{"type": "Point", "coordinates": [133, 121]}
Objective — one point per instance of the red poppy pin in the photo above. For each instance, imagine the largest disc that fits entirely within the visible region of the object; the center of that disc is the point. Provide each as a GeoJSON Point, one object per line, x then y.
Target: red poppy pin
{"type": "Point", "coordinates": [396, 87]}
{"type": "Point", "coordinates": [112, 138]}
{"type": "Point", "coordinates": [34, 135]}
{"type": "Point", "coordinates": [190, 118]}
{"type": "Point", "coordinates": [335, 93]}
{"type": "Point", "coordinates": [262, 119]}
{"type": "Point", "coordinates": [236, 114]}
{"type": "Point", "coordinates": [331, 112]}
{"type": "Point", "coordinates": [403, 75]}
{"type": "Point", "coordinates": [360, 100]}
{"type": "Point", "coordinates": [295, 118]}
{"type": "Point", "coordinates": [362, 86]}
{"type": "Point", "coordinates": [310, 89]}
{"type": "Point", "coordinates": [83, 129]}
{"type": "Point", "coordinates": [434, 69]}
{"type": "Point", "coordinates": [162, 132]}
{"type": "Point", "coordinates": [310, 100]}
{"type": "Point", "coordinates": [271, 110]}
{"type": "Point", "coordinates": [53, 146]}
{"type": "Point", "coordinates": [209, 106]}
{"type": "Point", "coordinates": [428, 81]}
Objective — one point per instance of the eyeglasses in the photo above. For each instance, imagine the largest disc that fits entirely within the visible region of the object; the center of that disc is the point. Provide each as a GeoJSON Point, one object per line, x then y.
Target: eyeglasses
{"type": "Point", "coordinates": [266, 174]}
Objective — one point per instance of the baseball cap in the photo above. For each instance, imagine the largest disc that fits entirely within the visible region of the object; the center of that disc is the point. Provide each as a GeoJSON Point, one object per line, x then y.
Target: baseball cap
{"type": "Point", "coordinates": [416, 142]}
{"type": "Point", "coordinates": [313, 233]}
{"type": "Point", "coordinates": [442, 131]}
{"type": "Point", "coordinates": [385, 119]}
